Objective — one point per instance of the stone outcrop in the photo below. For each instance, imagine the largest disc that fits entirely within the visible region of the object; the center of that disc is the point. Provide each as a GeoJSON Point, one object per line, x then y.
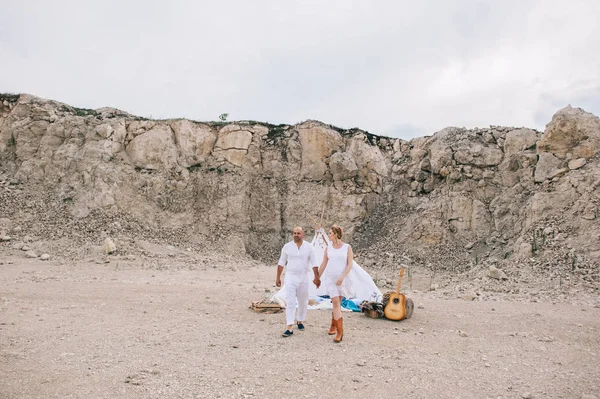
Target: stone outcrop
{"type": "Point", "coordinates": [572, 133]}
{"type": "Point", "coordinates": [455, 196]}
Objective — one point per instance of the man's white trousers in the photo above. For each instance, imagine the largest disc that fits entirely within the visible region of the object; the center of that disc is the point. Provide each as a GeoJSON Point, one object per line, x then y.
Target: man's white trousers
{"type": "Point", "coordinates": [296, 294]}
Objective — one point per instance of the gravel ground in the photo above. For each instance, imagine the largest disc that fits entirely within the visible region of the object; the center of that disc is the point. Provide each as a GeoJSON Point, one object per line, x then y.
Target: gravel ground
{"type": "Point", "coordinates": [131, 329]}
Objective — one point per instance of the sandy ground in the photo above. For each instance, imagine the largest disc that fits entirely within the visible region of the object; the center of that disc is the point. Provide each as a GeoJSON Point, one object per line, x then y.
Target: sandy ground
{"type": "Point", "coordinates": [125, 329]}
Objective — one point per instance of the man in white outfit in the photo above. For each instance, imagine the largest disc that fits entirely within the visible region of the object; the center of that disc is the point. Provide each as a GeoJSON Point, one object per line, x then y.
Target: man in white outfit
{"type": "Point", "coordinates": [297, 257]}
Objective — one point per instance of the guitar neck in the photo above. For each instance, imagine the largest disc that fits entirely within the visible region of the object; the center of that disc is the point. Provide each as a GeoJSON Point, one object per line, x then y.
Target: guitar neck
{"type": "Point", "coordinates": [400, 279]}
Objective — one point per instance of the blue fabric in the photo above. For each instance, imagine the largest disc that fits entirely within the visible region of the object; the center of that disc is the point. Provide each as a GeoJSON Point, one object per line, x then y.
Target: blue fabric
{"type": "Point", "coordinates": [348, 304]}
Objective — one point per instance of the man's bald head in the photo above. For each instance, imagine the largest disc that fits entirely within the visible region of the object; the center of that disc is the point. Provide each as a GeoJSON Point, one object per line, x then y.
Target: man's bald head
{"type": "Point", "coordinates": [298, 234]}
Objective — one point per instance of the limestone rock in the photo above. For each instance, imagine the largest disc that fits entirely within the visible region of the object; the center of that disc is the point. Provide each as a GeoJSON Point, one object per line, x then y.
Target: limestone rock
{"type": "Point", "coordinates": [425, 165]}
{"type": "Point", "coordinates": [496, 273]}
{"type": "Point", "coordinates": [590, 212]}
{"type": "Point", "coordinates": [572, 130]}
{"type": "Point", "coordinates": [478, 155]}
{"type": "Point", "coordinates": [525, 251]}
{"type": "Point", "coordinates": [317, 143]}
{"type": "Point", "coordinates": [195, 142]}
{"type": "Point", "coordinates": [30, 254]}
{"type": "Point", "coordinates": [577, 163]}
{"type": "Point", "coordinates": [544, 204]}
{"type": "Point", "coordinates": [519, 140]}
{"type": "Point", "coordinates": [342, 166]}
{"type": "Point", "coordinates": [440, 152]}
{"type": "Point", "coordinates": [468, 214]}
{"type": "Point", "coordinates": [45, 257]}
{"type": "Point", "coordinates": [109, 246]}
{"type": "Point", "coordinates": [154, 149]}
{"type": "Point", "coordinates": [429, 184]}
{"type": "Point", "coordinates": [5, 225]}
{"type": "Point", "coordinates": [233, 143]}
{"type": "Point", "coordinates": [370, 162]}
{"type": "Point", "coordinates": [548, 167]}
{"type": "Point", "coordinates": [246, 185]}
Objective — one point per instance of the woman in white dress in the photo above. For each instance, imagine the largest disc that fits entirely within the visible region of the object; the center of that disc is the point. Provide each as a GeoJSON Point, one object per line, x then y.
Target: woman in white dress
{"type": "Point", "coordinates": [338, 262]}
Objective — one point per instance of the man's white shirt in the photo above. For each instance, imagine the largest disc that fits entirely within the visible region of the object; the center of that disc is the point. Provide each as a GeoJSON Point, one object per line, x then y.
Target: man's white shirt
{"type": "Point", "coordinates": [296, 260]}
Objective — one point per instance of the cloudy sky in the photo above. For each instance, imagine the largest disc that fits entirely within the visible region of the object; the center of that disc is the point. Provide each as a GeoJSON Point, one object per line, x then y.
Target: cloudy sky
{"type": "Point", "coordinates": [395, 68]}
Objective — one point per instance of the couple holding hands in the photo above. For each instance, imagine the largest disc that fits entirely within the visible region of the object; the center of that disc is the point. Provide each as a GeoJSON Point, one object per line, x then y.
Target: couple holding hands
{"type": "Point", "coordinates": [297, 257]}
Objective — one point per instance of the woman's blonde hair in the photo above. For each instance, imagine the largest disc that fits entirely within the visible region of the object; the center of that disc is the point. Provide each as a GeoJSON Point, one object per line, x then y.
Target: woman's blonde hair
{"type": "Point", "coordinates": [338, 231]}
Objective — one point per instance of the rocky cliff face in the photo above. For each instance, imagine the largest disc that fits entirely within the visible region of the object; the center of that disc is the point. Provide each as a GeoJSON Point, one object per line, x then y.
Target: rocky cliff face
{"type": "Point", "coordinates": [452, 200]}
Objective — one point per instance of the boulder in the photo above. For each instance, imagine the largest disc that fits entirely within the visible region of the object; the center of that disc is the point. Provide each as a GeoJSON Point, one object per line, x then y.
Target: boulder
{"type": "Point", "coordinates": [109, 246]}
{"type": "Point", "coordinates": [547, 167]}
{"type": "Point", "coordinates": [342, 166]}
{"type": "Point", "coordinates": [572, 130]}
{"type": "Point", "coordinates": [154, 149]}
{"type": "Point", "coordinates": [496, 273]}
{"type": "Point", "coordinates": [577, 163]}
{"type": "Point", "coordinates": [519, 140]}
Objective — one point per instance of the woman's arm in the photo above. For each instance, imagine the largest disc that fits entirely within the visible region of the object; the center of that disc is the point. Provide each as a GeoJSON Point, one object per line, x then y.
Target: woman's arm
{"type": "Point", "coordinates": [323, 264]}
{"type": "Point", "coordinates": [348, 266]}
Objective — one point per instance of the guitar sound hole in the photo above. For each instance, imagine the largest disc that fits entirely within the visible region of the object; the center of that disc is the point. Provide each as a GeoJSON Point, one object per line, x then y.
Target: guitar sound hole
{"type": "Point", "coordinates": [396, 300]}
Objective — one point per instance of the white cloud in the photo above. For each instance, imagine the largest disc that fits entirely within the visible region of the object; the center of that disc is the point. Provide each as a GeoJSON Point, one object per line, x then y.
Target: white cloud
{"type": "Point", "coordinates": [391, 67]}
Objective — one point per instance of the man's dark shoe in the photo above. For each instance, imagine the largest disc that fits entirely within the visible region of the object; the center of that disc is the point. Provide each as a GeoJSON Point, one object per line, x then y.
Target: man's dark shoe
{"type": "Point", "coordinates": [287, 333]}
{"type": "Point", "coordinates": [300, 326]}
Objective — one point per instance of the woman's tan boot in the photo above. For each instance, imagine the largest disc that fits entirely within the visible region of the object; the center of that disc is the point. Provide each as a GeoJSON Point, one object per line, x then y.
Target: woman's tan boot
{"type": "Point", "coordinates": [340, 330]}
{"type": "Point", "coordinates": [333, 327]}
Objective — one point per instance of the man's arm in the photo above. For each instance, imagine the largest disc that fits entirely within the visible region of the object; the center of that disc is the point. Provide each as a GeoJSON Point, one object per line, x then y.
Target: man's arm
{"type": "Point", "coordinates": [278, 279]}
{"type": "Point", "coordinates": [280, 265]}
{"type": "Point", "coordinates": [313, 261]}
{"type": "Point", "coordinates": [316, 280]}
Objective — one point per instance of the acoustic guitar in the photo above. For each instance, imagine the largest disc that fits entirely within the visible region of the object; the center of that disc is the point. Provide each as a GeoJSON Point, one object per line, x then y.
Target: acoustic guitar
{"type": "Point", "coordinates": [396, 306]}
